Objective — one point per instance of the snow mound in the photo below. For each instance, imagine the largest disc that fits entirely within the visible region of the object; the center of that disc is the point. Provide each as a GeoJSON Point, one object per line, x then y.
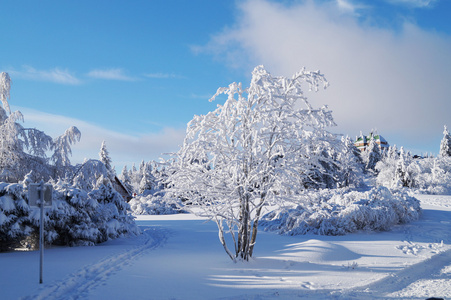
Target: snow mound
{"type": "Point", "coordinates": [321, 251]}
{"type": "Point", "coordinates": [338, 212]}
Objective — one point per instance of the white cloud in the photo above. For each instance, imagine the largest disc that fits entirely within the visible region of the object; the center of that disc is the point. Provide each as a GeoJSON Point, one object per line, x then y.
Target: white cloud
{"type": "Point", "coordinates": [412, 3]}
{"type": "Point", "coordinates": [55, 75]}
{"type": "Point", "coordinates": [110, 74]}
{"type": "Point", "coordinates": [124, 149]}
{"type": "Point", "coordinates": [346, 6]}
{"type": "Point", "coordinates": [396, 82]}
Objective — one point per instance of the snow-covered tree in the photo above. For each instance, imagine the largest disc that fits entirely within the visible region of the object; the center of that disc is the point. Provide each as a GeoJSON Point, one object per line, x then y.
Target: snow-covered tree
{"type": "Point", "coordinates": [87, 175]}
{"type": "Point", "coordinates": [371, 155]}
{"type": "Point", "coordinates": [62, 146]}
{"type": "Point", "coordinates": [14, 212]}
{"type": "Point", "coordinates": [106, 160]}
{"type": "Point", "coordinates": [24, 149]}
{"type": "Point", "coordinates": [254, 149]}
{"type": "Point", "coordinates": [148, 181]}
{"type": "Point", "coordinates": [5, 87]}
{"type": "Point", "coordinates": [445, 145]}
{"type": "Point", "coordinates": [350, 165]}
{"type": "Point", "coordinates": [125, 179]}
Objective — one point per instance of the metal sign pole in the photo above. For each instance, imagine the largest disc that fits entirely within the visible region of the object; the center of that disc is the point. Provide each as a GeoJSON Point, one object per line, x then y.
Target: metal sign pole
{"type": "Point", "coordinates": [40, 196]}
{"type": "Point", "coordinates": [41, 232]}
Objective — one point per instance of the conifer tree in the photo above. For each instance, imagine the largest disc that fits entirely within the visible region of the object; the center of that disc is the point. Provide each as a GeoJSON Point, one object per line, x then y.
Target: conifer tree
{"type": "Point", "coordinates": [125, 179]}
{"type": "Point", "coordinates": [445, 145]}
{"type": "Point", "coordinates": [106, 160]}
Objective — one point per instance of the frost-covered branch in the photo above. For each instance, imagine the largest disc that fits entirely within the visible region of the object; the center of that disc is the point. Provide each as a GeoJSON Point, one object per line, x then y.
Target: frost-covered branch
{"type": "Point", "coordinates": [251, 150]}
{"type": "Point", "coordinates": [62, 146]}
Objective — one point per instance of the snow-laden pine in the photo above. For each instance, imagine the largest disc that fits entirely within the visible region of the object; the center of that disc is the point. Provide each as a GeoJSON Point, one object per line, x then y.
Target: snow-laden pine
{"type": "Point", "coordinates": [445, 145]}
{"type": "Point", "coordinates": [77, 216]}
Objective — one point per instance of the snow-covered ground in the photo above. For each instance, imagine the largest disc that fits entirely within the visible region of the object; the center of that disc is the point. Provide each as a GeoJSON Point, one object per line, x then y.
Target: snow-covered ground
{"type": "Point", "coordinates": [180, 257]}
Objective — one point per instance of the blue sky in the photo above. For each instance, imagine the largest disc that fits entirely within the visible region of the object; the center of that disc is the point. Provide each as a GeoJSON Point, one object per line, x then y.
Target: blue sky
{"type": "Point", "coordinates": [133, 73]}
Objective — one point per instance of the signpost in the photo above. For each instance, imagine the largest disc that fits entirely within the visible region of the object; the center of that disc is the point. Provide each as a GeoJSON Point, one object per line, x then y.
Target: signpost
{"type": "Point", "coordinates": [40, 195]}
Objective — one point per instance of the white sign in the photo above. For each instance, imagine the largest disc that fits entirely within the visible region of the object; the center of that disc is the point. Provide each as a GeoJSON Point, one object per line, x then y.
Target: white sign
{"type": "Point", "coordinates": [34, 195]}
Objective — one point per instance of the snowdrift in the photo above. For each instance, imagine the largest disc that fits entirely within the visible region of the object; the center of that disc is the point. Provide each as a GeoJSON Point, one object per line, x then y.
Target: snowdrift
{"type": "Point", "coordinates": [338, 212]}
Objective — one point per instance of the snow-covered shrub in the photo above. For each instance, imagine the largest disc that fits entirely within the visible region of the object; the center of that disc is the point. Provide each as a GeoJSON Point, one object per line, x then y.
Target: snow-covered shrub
{"type": "Point", "coordinates": [75, 218]}
{"type": "Point", "coordinates": [14, 223]}
{"type": "Point", "coordinates": [337, 212]}
{"type": "Point", "coordinates": [155, 205]}
{"type": "Point", "coordinates": [82, 218]}
{"type": "Point", "coordinates": [112, 214]}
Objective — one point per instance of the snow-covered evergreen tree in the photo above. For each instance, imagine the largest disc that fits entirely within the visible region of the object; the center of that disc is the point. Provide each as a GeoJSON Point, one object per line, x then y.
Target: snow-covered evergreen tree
{"type": "Point", "coordinates": [14, 222]}
{"type": "Point", "coordinates": [125, 179]}
{"type": "Point", "coordinates": [5, 87]}
{"type": "Point", "coordinates": [445, 145]}
{"type": "Point", "coordinates": [252, 150]}
{"type": "Point", "coordinates": [106, 160]}
{"type": "Point", "coordinates": [87, 175]}
{"type": "Point", "coordinates": [371, 155]}
{"type": "Point", "coordinates": [350, 165]}
{"type": "Point", "coordinates": [148, 181]}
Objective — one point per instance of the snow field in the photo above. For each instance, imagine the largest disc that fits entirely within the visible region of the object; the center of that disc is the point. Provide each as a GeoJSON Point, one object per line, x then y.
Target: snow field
{"type": "Point", "coordinates": [180, 257]}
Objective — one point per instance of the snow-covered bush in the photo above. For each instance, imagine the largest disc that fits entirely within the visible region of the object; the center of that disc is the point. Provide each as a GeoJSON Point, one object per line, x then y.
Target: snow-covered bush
{"type": "Point", "coordinates": [14, 221]}
{"type": "Point", "coordinates": [155, 205]}
{"type": "Point", "coordinates": [82, 218]}
{"type": "Point", "coordinates": [76, 217]}
{"type": "Point", "coordinates": [338, 212]}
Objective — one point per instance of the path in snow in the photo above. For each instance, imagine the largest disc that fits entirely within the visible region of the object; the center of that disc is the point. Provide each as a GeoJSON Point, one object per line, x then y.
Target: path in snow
{"type": "Point", "coordinates": [392, 285]}
{"type": "Point", "coordinates": [406, 283]}
{"type": "Point", "coordinates": [77, 285]}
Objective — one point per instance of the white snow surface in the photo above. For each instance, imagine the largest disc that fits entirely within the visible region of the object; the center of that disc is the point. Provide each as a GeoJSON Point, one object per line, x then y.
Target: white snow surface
{"type": "Point", "coordinates": [180, 257]}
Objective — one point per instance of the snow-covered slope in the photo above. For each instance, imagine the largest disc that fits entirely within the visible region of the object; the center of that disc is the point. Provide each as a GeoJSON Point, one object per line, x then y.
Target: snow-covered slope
{"type": "Point", "coordinates": [180, 257]}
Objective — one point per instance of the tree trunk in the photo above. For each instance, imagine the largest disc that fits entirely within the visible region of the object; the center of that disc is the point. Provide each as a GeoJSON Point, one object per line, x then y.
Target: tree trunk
{"type": "Point", "coordinates": [222, 240]}
{"type": "Point", "coordinates": [255, 226]}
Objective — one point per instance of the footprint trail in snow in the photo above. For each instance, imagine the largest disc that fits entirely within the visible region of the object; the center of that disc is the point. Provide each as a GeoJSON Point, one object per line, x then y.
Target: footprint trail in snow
{"type": "Point", "coordinates": [77, 285]}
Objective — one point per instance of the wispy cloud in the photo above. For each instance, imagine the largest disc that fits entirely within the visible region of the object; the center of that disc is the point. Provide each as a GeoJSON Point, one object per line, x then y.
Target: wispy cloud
{"type": "Point", "coordinates": [56, 75]}
{"type": "Point", "coordinates": [162, 75]}
{"type": "Point", "coordinates": [110, 74]}
{"type": "Point", "coordinates": [395, 80]}
{"type": "Point", "coordinates": [124, 149]}
{"type": "Point", "coordinates": [347, 6]}
{"type": "Point", "coordinates": [413, 3]}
